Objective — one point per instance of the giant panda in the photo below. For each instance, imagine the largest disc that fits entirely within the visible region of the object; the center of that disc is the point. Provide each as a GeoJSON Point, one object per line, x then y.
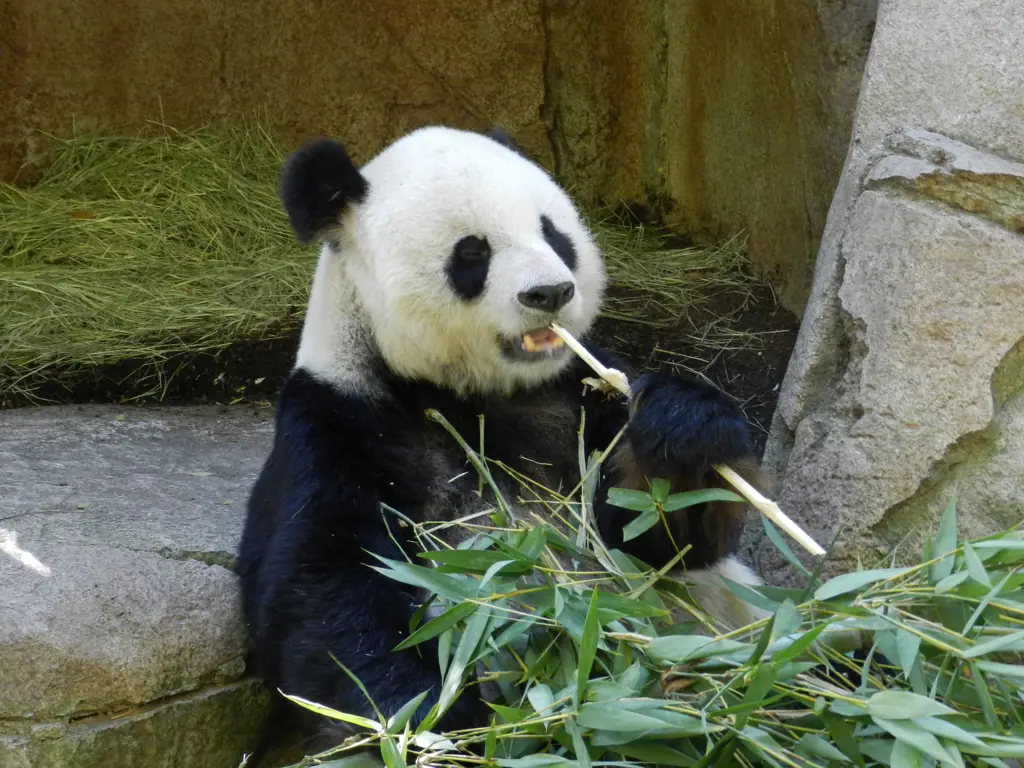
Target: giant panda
{"type": "Point", "coordinates": [443, 260]}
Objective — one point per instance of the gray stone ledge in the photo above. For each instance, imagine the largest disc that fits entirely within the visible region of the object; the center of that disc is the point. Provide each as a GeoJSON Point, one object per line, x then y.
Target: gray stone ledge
{"type": "Point", "coordinates": [118, 528]}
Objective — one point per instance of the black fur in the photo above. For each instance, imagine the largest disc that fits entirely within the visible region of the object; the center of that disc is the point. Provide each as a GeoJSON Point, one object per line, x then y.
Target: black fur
{"type": "Point", "coordinates": [314, 513]}
{"type": "Point", "coordinates": [501, 136]}
{"type": "Point", "coordinates": [678, 429]}
{"type": "Point", "coordinates": [683, 423]}
{"type": "Point", "coordinates": [317, 183]}
{"type": "Point", "coordinates": [467, 267]}
{"type": "Point", "coordinates": [559, 242]}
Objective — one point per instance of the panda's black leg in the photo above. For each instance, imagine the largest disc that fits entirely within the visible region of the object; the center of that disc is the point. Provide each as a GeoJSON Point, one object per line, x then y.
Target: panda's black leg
{"type": "Point", "coordinates": [330, 617]}
{"type": "Point", "coordinates": [331, 612]}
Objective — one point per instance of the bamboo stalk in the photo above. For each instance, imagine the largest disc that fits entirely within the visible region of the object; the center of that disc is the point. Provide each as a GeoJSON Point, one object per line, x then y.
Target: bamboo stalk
{"type": "Point", "coordinates": [765, 506]}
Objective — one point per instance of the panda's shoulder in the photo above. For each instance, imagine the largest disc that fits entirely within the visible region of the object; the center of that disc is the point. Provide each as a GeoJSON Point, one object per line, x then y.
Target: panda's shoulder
{"type": "Point", "coordinates": [320, 422]}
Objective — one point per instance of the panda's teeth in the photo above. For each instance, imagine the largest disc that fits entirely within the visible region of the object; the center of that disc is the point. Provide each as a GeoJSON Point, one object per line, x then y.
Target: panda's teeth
{"type": "Point", "coordinates": [547, 343]}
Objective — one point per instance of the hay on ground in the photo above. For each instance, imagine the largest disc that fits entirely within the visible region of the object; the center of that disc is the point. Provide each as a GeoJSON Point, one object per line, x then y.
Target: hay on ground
{"type": "Point", "coordinates": [140, 248]}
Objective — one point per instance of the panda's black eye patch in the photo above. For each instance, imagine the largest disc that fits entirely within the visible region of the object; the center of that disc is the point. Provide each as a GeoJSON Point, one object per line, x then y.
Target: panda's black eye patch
{"type": "Point", "coordinates": [559, 242]}
{"type": "Point", "coordinates": [472, 248]}
{"type": "Point", "coordinates": [467, 267]}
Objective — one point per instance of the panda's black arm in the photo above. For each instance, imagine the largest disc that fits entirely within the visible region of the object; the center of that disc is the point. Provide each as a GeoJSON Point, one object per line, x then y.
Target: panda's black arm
{"type": "Point", "coordinates": [678, 429]}
{"type": "Point", "coordinates": [307, 584]}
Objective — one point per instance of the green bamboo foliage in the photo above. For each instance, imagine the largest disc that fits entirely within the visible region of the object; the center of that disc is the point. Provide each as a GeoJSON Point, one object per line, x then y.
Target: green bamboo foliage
{"type": "Point", "coordinates": [890, 666]}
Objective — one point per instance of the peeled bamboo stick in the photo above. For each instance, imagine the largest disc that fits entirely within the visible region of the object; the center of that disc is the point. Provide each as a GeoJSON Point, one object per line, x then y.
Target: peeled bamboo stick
{"type": "Point", "coordinates": [765, 506]}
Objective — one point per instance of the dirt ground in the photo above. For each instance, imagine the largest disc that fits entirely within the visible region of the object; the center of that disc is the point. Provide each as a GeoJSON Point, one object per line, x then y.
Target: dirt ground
{"type": "Point", "coordinates": [750, 369]}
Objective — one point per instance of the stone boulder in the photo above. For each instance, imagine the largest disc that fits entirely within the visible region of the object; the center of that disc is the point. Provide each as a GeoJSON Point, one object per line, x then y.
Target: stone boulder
{"type": "Point", "coordinates": [122, 641]}
{"type": "Point", "coordinates": [907, 383]}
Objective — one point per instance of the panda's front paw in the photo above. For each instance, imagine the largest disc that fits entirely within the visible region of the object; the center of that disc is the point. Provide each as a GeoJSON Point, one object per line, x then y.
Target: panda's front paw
{"type": "Point", "coordinates": [676, 424]}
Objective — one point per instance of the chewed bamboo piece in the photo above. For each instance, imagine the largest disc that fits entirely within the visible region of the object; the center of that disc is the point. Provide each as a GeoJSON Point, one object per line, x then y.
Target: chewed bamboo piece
{"type": "Point", "coordinates": [765, 506]}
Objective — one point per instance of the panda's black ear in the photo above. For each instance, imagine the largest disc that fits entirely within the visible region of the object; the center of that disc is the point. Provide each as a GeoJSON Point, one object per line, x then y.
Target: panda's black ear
{"type": "Point", "coordinates": [317, 183]}
{"type": "Point", "coordinates": [502, 136]}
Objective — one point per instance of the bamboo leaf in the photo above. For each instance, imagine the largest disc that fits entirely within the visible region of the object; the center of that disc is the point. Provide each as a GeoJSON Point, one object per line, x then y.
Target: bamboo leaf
{"type": "Point", "coordinates": [641, 717]}
{"type": "Point", "coordinates": [815, 746]}
{"type": "Point", "coordinates": [437, 625]}
{"type": "Point", "coordinates": [751, 595]}
{"type": "Point", "coordinates": [904, 755]}
{"type": "Point", "coordinates": [640, 524]}
{"type": "Point", "coordinates": [627, 498]}
{"type": "Point", "coordinates": [430, 579]}
{"type": "Point", "coordinates": [945, 541]}
{"type": "Point", "coordinates": [975, 567]}
{"type": "Point", "coordinates": [950, 582]}
{"type": "Point", "coordinates": [915, 736]}
{"type": "Point", "coordinates": [491, 743]}
{"type": "Point", "coordinates": [578, 744]}
{"type": "Point", "coordinates": [390, 754]}
{"type": "Point", "coordinates": [468, 644]}
{"type": "Point", "coordinates": [780, 544]}
{"type": "Point", "coordinates": [541, 699]}
{"type": "Point", "coordinates": [904, 705]}
{"type": "Point", "coordinates": [517, 626]}
{"type": "Point", "coordinates": [1011, 642]}
{"type": "Point", "coordinates": [401, 718]}
{"type": "Point", "coordinates": [535, 761]}
{"type": "Point", "coordinates": [612, 606]}
{"type": "Point", "coordinates": [849, 582]}
{"type": "Point", "coordinates": [948, 730]}
{"type": "Point", "coordinates": [588, 648]}
{"type": "Point", "coordinates": [685, 499]}
{"type": "Point", "coordinates": [679, 648]}
{"type": "Point", "coordinates": [799, 645]}
{"type": "Point", "coordinates": [1012, 671]}
{"type": "Point", "coordinates": [660, 489]}
{"type": "Point", "coordinates": [787, 620]}
{"type": "Point", "coordinates": [908, 646]}
{"type": "Point", "coordinates": [474, 560]}
{"type": "Point", "coordinates": [533, 544]}
{"type": "Point", "coordinates": [841, 731]}
{"type": "Point", "coordinates": [444, 649]}
{"type": "Point", "coordinates": [1000, 544]}
{"type": "Point", "coordinates": [493, 571]}
{"type": "Point", "coordinates": [654, 753]}
{"type": "Point", "coordinates": [755, 694]}
{"type": "Point", "coordinates": [362, 722]}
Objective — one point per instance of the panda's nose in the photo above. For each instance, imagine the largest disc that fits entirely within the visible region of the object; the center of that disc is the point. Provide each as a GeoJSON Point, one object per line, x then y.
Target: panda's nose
{"type": "Point", "coordinates": [549, 298]}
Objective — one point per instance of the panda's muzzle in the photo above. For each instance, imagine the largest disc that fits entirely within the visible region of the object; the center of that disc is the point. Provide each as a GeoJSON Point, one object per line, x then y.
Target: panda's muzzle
{"type": "Point", "coordinates": [540, 343]}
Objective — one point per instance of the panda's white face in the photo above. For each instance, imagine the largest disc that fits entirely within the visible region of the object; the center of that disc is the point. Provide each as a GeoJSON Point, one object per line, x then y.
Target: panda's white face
{"type": "Point", "coordinates": [461, 253]}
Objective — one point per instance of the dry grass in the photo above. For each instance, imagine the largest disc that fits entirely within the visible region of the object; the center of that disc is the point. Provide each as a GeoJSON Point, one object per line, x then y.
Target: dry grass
{"type": "Point", "coordinates": [139, 248]}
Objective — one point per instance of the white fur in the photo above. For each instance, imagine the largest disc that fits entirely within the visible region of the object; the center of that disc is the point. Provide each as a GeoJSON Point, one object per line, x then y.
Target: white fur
{"type": "Point", "coordinates": [713, 596]}
{"type": "Point", "coordinates": [387, 278]}
{"type": "Point", "coordinates": [335, 344]}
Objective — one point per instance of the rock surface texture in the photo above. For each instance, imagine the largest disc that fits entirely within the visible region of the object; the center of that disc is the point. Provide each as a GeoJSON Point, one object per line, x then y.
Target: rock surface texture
{"type": "Point", "coordinates": [731, 115]}
{"type": "Point", "coordinates": [121, 639]}
{"type": "Point", "coordinates": [907, 383]}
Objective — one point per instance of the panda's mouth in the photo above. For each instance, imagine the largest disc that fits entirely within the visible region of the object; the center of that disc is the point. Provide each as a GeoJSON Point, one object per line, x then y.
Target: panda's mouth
{"type": "Point", "coordinates": [538, 344]}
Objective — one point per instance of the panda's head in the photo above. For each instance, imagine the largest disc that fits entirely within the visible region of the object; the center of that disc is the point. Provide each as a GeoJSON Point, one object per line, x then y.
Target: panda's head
{"type": "Point", "coordinates": [454, 252]}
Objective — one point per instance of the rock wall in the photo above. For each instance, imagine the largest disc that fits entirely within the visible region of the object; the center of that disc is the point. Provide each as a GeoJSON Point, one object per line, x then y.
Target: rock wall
{"type": "Point", "coordinates": [367, 72]}
{"type": "Point", "coordinates": [727, 115]}
{"type": "Point", "coordinates": [759, 102]}
{"type": "Point", "coordinates": [907, 383]}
